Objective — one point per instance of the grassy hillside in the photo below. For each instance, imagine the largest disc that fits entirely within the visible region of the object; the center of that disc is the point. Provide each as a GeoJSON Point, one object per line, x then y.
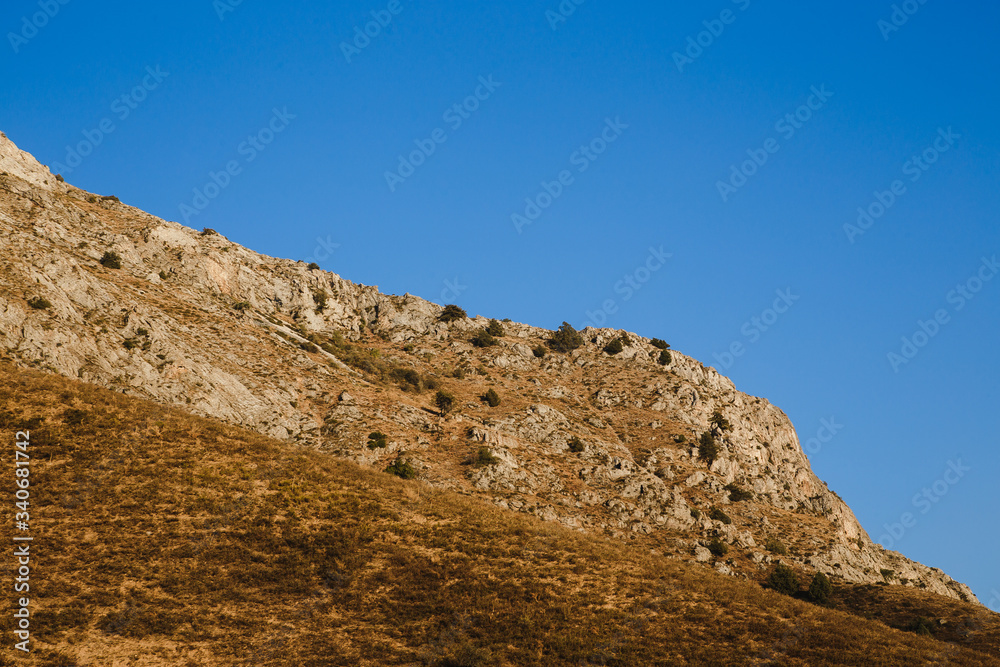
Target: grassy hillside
{"type": "Point", "coordinates": [166, 539]}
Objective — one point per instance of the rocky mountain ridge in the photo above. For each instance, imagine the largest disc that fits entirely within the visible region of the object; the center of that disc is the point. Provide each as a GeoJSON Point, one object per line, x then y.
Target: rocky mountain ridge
{"type": "Point", "coordinates": [594, 441]}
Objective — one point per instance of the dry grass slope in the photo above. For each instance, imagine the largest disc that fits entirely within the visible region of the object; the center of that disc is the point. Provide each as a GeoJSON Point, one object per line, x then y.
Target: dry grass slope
{"type": "Point", "coordinates": [167, 539]}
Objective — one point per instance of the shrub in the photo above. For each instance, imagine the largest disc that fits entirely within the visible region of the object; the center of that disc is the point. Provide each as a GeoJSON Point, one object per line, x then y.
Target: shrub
{"type": "Point", "coordinates": [614, 347]}
{"type": "Point", "coordinates": [665, 358]}
{"type": "Point", "coordinates": [39, 303]}
{"type": "Point", "coordinates": [241, 306]}
{"type": "Point", "coordinates": [719, 421]}
{"type": "Point", "coordinates": [738, 493]}
{"type": "Point", "coordinates": [111, 198]}
{"type": "Point", "coordinates": [491, 398]}
{"type": "Point", "coordinates": [483, 338]}
{"type": "Point", "coordinates": [319, 298]}
{"type": "Point", "coordinates": [401, 468]}
{"type": "Point", "coordinates": [377, 440]}
{"type": "Point", "coordinates": [820, 589]}
{"type": "Point", "coordinates": [484, 457]}
{"type": "Point", "coordinates": [680, 438]}
{"type": "Point", "coordinates": [59, 177]}
{"type": "Point", "coordinates": [708, 448]}
{"type": "Point", "coordinates": [538, 351]}
{"type": "Point", "coordinates": [887, 574]}
{"type": "Point", "coordinates": [659, 344]}
{"type": "Point", "coordinates": [451, 313]}
{"type": "Point", "coordinates": [775, 546]}
{"type": "Point", "coordinates": [495, 329]}
{"type": "Point", "coordinates": [131, 343]}
{"type": "Point", "coordinates": [784, 580]}
{"type": "Point", "coordinates": [208, 231]}
{"type": "Point", "coordinates": [695, 513]}
{"type": "Point", "coordinates": [111, 260]}
{"type": "Point", "coordinates": [164, 275]}
{"type": "Point", "coordinates": [444, 402]}
{"type": "Point", "coordinates": [715, 514]}
{"type": "Point", "coordinates": [565, 339]}
{"type": "Point", "coordinates": [718, 547]}
{"type": "Point", "coordinates": [458, 373]}
{"type": "Point", "coordinates": [576, 445]}
{"type": "Point", "coordinates": [408, 379]}
{"type": "Point", "coordinates": [313, 266]}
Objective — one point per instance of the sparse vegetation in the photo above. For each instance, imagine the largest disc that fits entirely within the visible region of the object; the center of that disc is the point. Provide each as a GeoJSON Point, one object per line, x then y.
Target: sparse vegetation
{"type": "Point", "coordinates": [738, 494]}
{"type": "Point", "coordinates": [775, 546]}
{"type": "Point", "coordinates": [111, 260]}
{"type": "Point", "coordinates": [566, 338]}
{"type": "Point", "coordinates": [452, 313]}
{"type": "Point", "coordinates": [320, 299]}
{"type": "Point", "coordinates": [402, 469]}
{"type": "Point", "coordinates": [665, 358]}
{"type": "Point", "coordinates": [59, 177]}
{"type": "Point", "coordinates": [39, 303]}
{"type": "Point", "coordinates": [495, 329]}
{"type": "Point", "coordinates": [614, 347]}
{"type": "Point", "coordinates": [313, 266]}
{"type": "Point", "coordinates": [539, 351]}
{"type": "Point", "coordinates": [659, 344]}
{"type": "Point", "coordinates": [484, 457]}
{"type": "Point", "coordinates": [718, 547]}
{"type": "Point", "coordinates": [482, 338]}
{"type": "Point", "coordinates": [241, 306]}
{"type": "Point", "coordinates": [491, 398]}
{"type": "Point", "coordinates": [719, 422]}
{"type": "Point", "coordinates": [208, 231]}
{"type": "Point", "coordinates": [377, 440]}
{"type": "Point", "coordinates": [820, 589]}
{"type": "Point", "coordinates": [164, 275]}
{"type": "Point", "coordinates": [576, 445]}
{"type": "Point", "coordinates": [708, 448]}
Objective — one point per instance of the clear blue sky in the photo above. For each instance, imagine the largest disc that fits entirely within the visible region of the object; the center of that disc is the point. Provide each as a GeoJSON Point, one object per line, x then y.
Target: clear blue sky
{"type": "Point", "coordinates": [884, 94]}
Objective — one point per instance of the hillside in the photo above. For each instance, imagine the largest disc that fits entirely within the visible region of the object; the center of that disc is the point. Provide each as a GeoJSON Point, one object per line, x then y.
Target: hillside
{"type": "Point", "coordinates": [167, 539]}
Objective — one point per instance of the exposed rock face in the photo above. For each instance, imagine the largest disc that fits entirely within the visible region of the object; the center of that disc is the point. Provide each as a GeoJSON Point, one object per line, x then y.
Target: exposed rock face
{"type": "Point", "coordinates": [593, 441]}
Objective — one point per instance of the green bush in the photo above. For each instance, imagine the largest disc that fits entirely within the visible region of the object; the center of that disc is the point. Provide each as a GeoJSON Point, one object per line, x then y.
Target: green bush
{"type": "Point", "coordinates": [659, 344]}
{"type": "Point", "coordinates": [451, 313]}
{"type": "Point", "coordinates": [718, 547]}
{"type": "Point", "coordinates": [319, 298]}
{"type": "Point", "coordinates": [695, 513]}
{"type": "Point", "coordinates": [484, 457]}
{"type": "Point", "coordinates": [111, 260]}
{"type": "Point", "coordinates": [775, 546]}
{"type": "Point", "coordinates": [565, 339]}
{"type": "Point", "coordinates": [784, 580]}
{"type": "Point", "coordinates": [491, 398]}
{"type": "Point", "coordinates": [495, 329]}
{"type": "Point", "coordinates": [59, 177]}
{"type": "Point", "coordinates": [483, 338]}
{"type": "Point", "coordinates": [208, 231]}
{"type": "Point", "coordinates": [39, 303]}
{"type": "Point", "coordinates": [241, 306]}
{"type": "Point", "coordinates": [164, 275]}
{"type": "Point", "coordinates": [538, 351]}
{"type": "Point", "coordinates": [820, 589]}
{"type": "Point", "coordinates": [715, 514]}
{"type": "Point", "coordinates": [576, 445]}
{"type": "Point", "coordinates": [738, 493]}
{"type": "Point", "coordinates": [680, 438]}
{"type": "Point", "coordinates": [665, 358]}
{"type": "Point", "coordinates": [313, 266]}
{"type": "Point", "coordinates": [377, 440]}
{"type": "Point", "coordinates": [444, 402]}
{"type": "Point", "coordinates": [719, 421]}
{"type": "Point", "coordinates": [708, 448]}
{"type": "Point", "coordinates": [614, 347]}
{"type": "Point", "coordinates": [401, 468]}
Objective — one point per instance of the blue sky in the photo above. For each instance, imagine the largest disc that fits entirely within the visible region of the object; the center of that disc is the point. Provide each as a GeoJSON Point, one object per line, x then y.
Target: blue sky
{"type": "Point", "coordinates": [619, 126]}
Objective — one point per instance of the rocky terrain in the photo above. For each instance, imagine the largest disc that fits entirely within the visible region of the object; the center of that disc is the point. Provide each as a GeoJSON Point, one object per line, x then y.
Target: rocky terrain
{"type": "Point", "coordinates": [91, 288]}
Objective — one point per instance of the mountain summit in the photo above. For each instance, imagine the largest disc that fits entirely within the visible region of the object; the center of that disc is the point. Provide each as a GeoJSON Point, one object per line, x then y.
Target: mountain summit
{"type": "Point", "coordinates": [611, 434]}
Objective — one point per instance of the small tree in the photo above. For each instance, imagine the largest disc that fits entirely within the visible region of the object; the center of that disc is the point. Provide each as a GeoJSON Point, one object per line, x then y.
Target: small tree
{"type": "Point", "coordinates": [111, 260]}
{"type": "Point", "coordinates": [313, 266]}
{"type": "Point", "coordinates": [444, 402]}
{"type": "Point", "coordinates": [495, 329]}
{"type": "Point", "coordinates": [708, 448]}
{"type": "Point", "coordinates": [483, 338]}
{"type": "Point", "coordinates": [614, 347]}
{"type": "Point", "coordinates": [491, 398]}
{"type": "Point", "coordinates": [565, 339]}
{"type": "Point", "coordinates": [451, 313]}
{"type": "Point", "coordinates": [539, 351]}
{"type": "Point", "coordinates": [718, 547]}
{"type": "Point", "coordinates": [659, 344]}
{"type": "Point", "coordinates": [784, 580]}
{"type": "Point", "coordinates": [319, 298]}
{"type": "Point", "coordinates": [719, 422]}
{"type": "Point", "coordinates": [820, 589]}
{"type": "Point", "coordinates": [665, 357]}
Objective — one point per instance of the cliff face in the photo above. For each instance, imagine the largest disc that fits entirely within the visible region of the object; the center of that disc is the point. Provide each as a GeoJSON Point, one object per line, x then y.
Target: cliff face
{"type": "Point", "coordinates": [594, 441]}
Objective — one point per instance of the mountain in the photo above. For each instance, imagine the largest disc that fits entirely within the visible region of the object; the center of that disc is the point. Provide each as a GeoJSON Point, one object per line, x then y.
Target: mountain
{"type": "Point", "coordinates": [608, 443]}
